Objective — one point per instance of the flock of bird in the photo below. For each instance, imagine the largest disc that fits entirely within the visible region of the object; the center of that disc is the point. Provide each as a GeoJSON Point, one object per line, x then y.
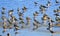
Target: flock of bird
{"type": "Point", "coordinates": [13, 22]}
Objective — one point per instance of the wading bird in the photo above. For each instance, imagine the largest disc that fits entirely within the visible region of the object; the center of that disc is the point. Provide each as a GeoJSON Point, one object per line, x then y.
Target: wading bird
{"type": "Point", "coordinates": [24, 9]}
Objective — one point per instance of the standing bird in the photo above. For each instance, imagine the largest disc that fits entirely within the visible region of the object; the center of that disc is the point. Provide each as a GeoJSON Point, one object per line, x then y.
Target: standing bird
{"type": "Point", "coordinates": [44, 19]}
{"type": "Point", "coordinates": [10, 12]}
{"type": "Point", "coordinates": [35, 3]}
{"type": "Point", "coordinates": [3, 10]}
{"type": "Point", "coordinates": [59, 7]}
{"type": "Point", "coordinates": [24, 9]}
{"type": "Point", "coordinates": [56, 1]}
{"type": "Point", "coordinates": [19, 12]}
{"type": "Point", "coordinates": [48, 4]}
{"type": "Point", "coordinates": [35, 14]}
{"type": "Point", "coordinates": [36, 21]}
{"type": "Point", "coordinates": [56, 14]}
{"type": "Point", "coordinates": [28, 20]}
{"type": "Point", "coordinates": [43, 8]}
{"type": "Point", "coordinates": [18, 9]}
{"type": "Point", "coordinates": [8, 34]}
{"type": "Point", "coordinates": [20, 18]}
{"type": "Point", "coordinates": [45, 16]}
{"type": "Point", "coordinates": [55, 11]}
{"type": "Point", "coordinates": [58, 10]}
{"type": "Point", "coordinates": [35, 26]}
{"type": "Point", "coordinates": [16, 32]}
{"type": "Point", "coordinates": [0, 35]}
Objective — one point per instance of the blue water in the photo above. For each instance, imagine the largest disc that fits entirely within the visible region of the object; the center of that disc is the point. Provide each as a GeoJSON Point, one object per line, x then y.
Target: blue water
{"type": "Point", "coordinates": [14, 4]}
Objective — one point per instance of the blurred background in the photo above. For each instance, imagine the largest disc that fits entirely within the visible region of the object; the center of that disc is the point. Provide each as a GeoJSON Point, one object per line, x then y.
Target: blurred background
{"type": "Point", "coordinates": [31, 8]}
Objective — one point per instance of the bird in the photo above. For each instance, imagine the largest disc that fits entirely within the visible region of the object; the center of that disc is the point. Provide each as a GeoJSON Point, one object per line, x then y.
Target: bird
{"type": "Point", "coordinates": [42, 9]}
{"type": "Point", "coordinates": [4, 30]}
{"type": "Point", "coordinates": [3, 8]}
{"type": "Point", "coordinates": [48, 4]}
{"type": "Point", "coordinates": [55, 11]}
{"type": "Point", "coordinates": [45, 17]}
{"type": "Point", "coordinates": [52, 31]}
{"type": "Point", "coordinates": [18, 9]}
{"type": "Point", "coordinates": [16, 27]}
{"type": "Point", "coordinates": [20, 14]}
{"type": "Point", "coordinates": [35, 14]}
{"type": "Point", "coordinates": [50, 28]}
{"type": "Point", "coordinates": [27, 18]}
{"type": "Point", "coordinates": [56, 14]}
{"type": "Point", "coordinates": [36, 21]}
{"type": "Point", "coordinates": [35, 26]}
{"type": "Point", "coordinates": [9, 21]}
{"type": "Point", "coordinates": [24, 9]}
{"type": "Point", "coordinates": [10, 12]}
{"type": "Point", "coordinates": [22, 22]}
{"type": "Point", "coordinates": [57, 19]}
{"type": "Point", "coordinates": [0, 35]}
{"type": "Point", "coordinates": [3, 17]}
{"type": "Point", "coordinates": [58, 10]}
{"type": "Point", "coordinates": [23, 26]}
{"type": "Point", "coordinates": [2, 12]}
{"type": "Point", "coordinates": [35, 3]}
{"type": "Point", "coordinates": [16, 32]}
{"type": "Point", "coordinates": [57, 24]}
{"type": "Point", "coordinates": [43, 6]}
{"type": "Point", "coordinates": [8, 34]}
{"type": "Point", "coordinates": [56, 1]}
{"type": "Point", "coordinates": [59, 7]}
